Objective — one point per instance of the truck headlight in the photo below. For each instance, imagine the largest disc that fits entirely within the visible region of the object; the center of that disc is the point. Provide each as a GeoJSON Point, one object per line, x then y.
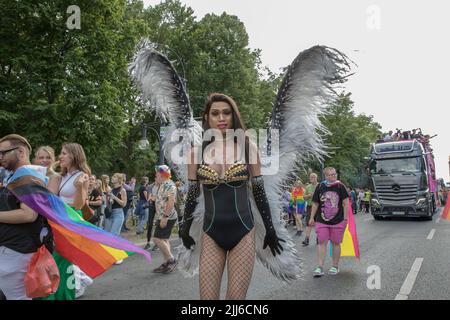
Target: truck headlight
{"type": "Point", "coordinates": [421, 201]}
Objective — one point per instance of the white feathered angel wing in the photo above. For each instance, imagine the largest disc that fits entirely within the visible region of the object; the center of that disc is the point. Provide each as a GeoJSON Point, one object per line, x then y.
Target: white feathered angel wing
{"type": "Point", "coordinates": [308, 88]}
{"type": "Point", "coordinates": [163, 91]}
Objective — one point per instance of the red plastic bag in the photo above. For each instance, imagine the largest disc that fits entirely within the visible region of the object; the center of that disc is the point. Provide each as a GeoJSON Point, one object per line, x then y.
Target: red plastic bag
{"type": "Point", "coordinates": [42, 278]}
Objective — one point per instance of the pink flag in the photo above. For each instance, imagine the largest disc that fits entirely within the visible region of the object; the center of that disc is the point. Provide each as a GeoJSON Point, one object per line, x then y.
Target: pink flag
{"type": "Point", "coordinates": [446, 211]}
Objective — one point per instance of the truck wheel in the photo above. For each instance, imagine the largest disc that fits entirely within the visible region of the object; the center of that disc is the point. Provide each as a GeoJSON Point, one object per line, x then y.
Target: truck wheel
{"type": "Point", "coordinates": [433, 204]}
{"type": "Point", "coordinates": [429, 215]}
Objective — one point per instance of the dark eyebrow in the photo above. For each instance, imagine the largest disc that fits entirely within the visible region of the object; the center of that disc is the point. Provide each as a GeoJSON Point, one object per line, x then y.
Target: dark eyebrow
{"type": "Point", "coordinates": [221, 109]}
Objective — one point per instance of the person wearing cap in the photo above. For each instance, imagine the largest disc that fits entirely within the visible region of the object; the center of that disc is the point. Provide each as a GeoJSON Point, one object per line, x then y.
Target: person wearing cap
{"type": "Point", "coordinates": [166, 216]}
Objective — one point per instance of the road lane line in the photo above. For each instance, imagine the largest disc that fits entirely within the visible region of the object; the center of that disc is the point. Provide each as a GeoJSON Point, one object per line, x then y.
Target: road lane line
{"type": "Point", "coordinates": [431, 234]}
{"type": "Point", "coordinates": [407, 286]}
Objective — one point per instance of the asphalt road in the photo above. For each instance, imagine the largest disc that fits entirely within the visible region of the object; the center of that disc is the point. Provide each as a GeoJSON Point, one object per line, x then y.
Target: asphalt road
{"type": "Point", "coordinates": [411, 260]}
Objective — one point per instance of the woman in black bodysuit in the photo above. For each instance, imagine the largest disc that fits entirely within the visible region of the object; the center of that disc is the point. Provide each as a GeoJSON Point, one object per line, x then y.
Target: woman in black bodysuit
{"type": "Point", "coordinates": [224, 174]}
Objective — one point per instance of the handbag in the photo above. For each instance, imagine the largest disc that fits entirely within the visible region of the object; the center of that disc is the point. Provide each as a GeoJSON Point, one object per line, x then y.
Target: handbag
{"type": "Point", "coordinates": [108, 210]}
{"type": "Point", "coordinates": [42, 278]}
{"type": "Point", "coordinates": [87, 212]}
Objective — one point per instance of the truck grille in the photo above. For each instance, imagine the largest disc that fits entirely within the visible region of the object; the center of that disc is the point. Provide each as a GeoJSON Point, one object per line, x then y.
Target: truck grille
{"type": "Point", "coordinates": [404, 209]}
{"type": "Point", "coordinates": [394, 193]}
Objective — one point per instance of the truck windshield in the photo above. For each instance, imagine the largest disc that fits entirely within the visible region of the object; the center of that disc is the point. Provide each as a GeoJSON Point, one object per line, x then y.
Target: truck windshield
{"type": "Point", "coordinates": [387, 166]}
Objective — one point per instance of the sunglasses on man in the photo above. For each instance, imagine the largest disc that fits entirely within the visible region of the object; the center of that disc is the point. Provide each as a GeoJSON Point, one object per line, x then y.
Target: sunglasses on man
{"type": "Point", "coordinates": [4, 152]}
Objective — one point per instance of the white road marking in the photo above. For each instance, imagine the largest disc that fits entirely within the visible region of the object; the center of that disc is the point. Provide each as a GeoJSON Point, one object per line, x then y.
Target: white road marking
{"type": "Point", "coordinates": [431, 234]}
{"type": "Point", "coordinates": [438, 220]}
{"type": "Point", "coordinates": [407, 286]}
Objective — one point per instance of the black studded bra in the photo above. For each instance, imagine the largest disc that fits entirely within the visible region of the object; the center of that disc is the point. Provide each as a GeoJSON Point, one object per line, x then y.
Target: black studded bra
{"type": "Point", "coordinates": [236, 172]}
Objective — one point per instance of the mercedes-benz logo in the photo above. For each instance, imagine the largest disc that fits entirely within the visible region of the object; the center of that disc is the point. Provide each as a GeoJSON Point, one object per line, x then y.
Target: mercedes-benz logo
{"type": "Point", "coordinates": [396, 188]}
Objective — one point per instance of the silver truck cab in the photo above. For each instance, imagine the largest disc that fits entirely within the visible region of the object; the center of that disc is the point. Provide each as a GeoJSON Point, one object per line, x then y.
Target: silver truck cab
{"type": "Point", "coordinates": [400, 180]}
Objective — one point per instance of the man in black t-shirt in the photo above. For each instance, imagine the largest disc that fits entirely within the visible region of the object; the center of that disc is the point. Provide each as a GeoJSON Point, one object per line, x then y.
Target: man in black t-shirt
{"type": "Point", "coordinates": [330, 203]}
{"type": "Point", "coordinates": [142, 206]}
{"type": "Point", "coordinates": [95, 200]}
{"type": "Point", "coordinates": [20, 226]}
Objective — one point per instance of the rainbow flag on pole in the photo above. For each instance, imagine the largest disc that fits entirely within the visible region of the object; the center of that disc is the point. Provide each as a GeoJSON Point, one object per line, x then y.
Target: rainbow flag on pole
{"type": "Point", "coordinates": [446, 211]}
{"type": "Point", "coordinates": [92, 249]}
{"type": "Point", "coordinates": [350, 244]}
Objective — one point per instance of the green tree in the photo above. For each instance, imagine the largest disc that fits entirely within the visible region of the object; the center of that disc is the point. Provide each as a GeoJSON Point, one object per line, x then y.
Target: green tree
{"type": "Point", "coordinates": [73, 84]}
{"type": "Point", "coordinates": [349, 139]}
{"type": "Point", "coordinates": [59, 85]}
{"type": "Point", "coordinates": [212, 55]}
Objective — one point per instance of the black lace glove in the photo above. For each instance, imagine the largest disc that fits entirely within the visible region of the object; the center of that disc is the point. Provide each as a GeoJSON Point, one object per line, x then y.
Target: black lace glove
{"type": "Point", "coordinates": [191, 203]}
{"type": "Point", "coordinates": [271, 239]}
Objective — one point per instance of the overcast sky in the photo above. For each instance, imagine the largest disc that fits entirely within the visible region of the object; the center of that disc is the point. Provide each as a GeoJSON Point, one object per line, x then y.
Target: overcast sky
{"type": "Point", "coordinates": [403, 59]}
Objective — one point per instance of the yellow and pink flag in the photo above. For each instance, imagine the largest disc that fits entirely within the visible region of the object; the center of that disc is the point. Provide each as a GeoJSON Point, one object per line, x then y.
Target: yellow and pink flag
{"type": "Point", "coordinates": [350, 244]}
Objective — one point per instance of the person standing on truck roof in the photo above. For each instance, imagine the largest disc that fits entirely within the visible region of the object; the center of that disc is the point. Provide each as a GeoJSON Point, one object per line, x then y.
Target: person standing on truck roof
{"type": "Point", "coordinates": [388, 137]}
{"type": "Point", "coordinates": [414, 134]}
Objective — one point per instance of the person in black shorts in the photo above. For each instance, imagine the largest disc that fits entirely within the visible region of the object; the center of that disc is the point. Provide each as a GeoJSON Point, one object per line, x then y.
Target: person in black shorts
{"type": "Point", "coordinates": [166, 216]}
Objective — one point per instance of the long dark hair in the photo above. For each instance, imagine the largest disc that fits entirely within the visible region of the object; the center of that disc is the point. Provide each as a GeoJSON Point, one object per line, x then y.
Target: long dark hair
{"type": "Point", "coordinates": [237, 119]}
{"type": "Point", "coordinates": [219, 97]}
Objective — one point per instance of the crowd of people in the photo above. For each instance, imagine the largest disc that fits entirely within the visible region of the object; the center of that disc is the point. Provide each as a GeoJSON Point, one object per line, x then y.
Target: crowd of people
{"type": "Point", "coordinates": [401, 135]}
{"type": "Point", "coordinates": [230, 233]}
{"type": "Point", "coordinates": [110, 200]}
{"type": "Point", "coordinates": [160, 205]}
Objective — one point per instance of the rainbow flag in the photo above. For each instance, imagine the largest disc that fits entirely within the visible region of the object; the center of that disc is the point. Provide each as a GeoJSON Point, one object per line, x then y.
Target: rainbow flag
{"type": "Point", "coordinates": [446, 212]}
{"type": "Point", "coordinates": [297, 200]}
{"type": "Point", "coordinates": [92, 249]}
{"type": "Point", "coordinates": [350, 244]}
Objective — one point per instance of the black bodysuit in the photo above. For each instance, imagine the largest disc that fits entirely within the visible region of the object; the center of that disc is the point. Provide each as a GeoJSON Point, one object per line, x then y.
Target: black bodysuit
{"type": "Point", "coordinates": [228, 217]}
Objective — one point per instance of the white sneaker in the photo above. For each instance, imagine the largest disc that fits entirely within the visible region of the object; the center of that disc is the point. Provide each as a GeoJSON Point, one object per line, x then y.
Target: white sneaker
{"type": "Point", "coordinates": [86, 280]}
{"type": "Point", "coordinates": [79, 292]}
{"type": "Point", "coordinates": [118, 262]}
{"type": "Point", "coordinates": [318, 272]}
{"type": "Point", "coordinates": [333, 271]}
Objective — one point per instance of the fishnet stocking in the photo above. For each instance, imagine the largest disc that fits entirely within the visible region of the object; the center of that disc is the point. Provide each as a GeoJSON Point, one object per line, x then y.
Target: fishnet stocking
{"type": "Point", "coordinates": [212, 264]}
{"type": "Point", "coordinates": [240, 267]}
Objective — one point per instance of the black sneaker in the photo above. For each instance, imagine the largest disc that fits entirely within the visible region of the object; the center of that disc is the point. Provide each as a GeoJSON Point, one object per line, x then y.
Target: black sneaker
{"type": "Point", "coordinates": [298, 233]}
{"type": "Point", "coordinates": [147, 246]}
{"type": "Point", "coordinates": [161, 268]}
{"type": "Point", "coordinates": [171, 265]}
{"type": "Point", "coordinates": [305, 242]}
